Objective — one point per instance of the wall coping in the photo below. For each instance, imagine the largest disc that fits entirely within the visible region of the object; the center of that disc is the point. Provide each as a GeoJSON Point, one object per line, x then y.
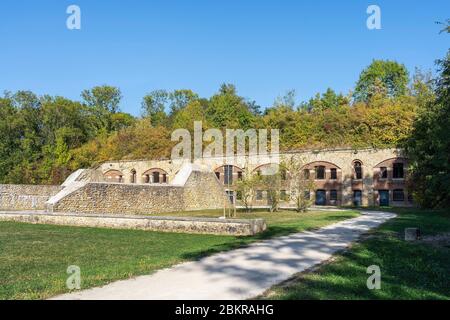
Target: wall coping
{"type": "Point", "coordinates": [136, 217]}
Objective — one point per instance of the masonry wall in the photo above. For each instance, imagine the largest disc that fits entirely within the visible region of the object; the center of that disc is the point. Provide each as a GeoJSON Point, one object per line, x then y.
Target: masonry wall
{"type": "Point", "coordinates": [119, 198]}
{"type": "Point", "coordinates": [342, 159]}
{"type": "Point", "coordinates": [25, 197]}
{"type": "Point", "coordinates": [233, 227]}
{"type": "Point", "coordinates": [203, 191]}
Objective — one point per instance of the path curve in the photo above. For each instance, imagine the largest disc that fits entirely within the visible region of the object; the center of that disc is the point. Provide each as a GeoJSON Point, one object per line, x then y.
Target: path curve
{"type": "Point", "coordinates": [241, 273]}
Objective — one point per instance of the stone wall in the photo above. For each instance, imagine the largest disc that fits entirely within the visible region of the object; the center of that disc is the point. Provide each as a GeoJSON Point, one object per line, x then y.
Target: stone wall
{"type": "Point", "coordinates": [233, 227]}
{"type": "Point", "coordinates": [122, 199]}
{"type": "Point", "coordinates": [202, 190]}
{"type": "Point", "coordinates": [25, 197]}
{"type": "Point", "coordinates": [199, 190]}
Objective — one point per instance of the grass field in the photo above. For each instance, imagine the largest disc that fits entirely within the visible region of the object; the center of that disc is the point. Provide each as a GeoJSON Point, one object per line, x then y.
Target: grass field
{"type": "Point", "coordinates": [34, 258]}
{"type": "Point", "coordinates": [409, 270]}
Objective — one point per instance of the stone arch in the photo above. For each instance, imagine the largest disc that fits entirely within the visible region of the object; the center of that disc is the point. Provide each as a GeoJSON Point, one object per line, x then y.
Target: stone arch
{"type": "Point", "coordinates": [155, 175]}
{"type": "Point", "coordinates": [389, 161]}
{"type": "Point", "coordinates": [358, 169]}
{"type": "Point", "coordinates": [225, 176]}
{"type": "Point", "coordinates": [259, 169]}
{"type": "Point", "coordinates": [113, 175]}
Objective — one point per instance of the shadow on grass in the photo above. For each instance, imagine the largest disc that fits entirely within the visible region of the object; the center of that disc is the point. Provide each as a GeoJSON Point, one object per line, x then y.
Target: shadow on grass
{"type": "Point", "coordinates": [271, 232]}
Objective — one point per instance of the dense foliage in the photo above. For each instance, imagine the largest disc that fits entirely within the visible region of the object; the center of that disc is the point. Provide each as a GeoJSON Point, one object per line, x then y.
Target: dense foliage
{"type": "Point", "coordinates": [428, 147]}
{"type": "Point", "coordinates": [45, 138]}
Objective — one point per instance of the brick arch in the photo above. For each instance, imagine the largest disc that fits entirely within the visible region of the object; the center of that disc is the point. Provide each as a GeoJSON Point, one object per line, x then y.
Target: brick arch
{"type": "Point", "coordinates": [326, 164]}
{"type": "Point", "coordinates": [220, 173]}
{"type": "Point", "coordinates": [221, 167]}
{"type": "Point", "coordinates": [113, 175]}
{"type": "Point", "coordinates": [390, 161]}
{"type": "Point", "coordinates": [155, 175]}
{"type": "Point", "coordinates": [265, 165]}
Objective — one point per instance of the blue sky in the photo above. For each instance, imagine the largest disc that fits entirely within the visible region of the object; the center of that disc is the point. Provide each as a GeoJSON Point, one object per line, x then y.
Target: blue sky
{"type": "Point", "coordinates": [263, 47]}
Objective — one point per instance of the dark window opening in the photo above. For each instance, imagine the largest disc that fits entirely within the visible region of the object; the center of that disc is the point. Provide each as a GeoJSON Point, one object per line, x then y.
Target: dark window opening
{"type": "Point", "coordinates": [357, 198]}
{"type": "Point", "coordinates": [164, 178]}
{"type": "Point", "coordinates": [228, 174]}
{"type": "Point", "coordinates": [398, 171]}
{"type": "Point", "coordinates": [240, 175]}
{"type": "Point", "coordinates": [217, 175]}
{"type": "Point", "coordinates": [358, 170]}
{"type": "Point", "coordinates": [320, 172]}
{"type": "Point", "coordinates": [398, 195]}
{"type": "Point", "coordinates": [133, 176]}
{"type": "Point", "coordinates": [155, 177]}
{"type": "Point", "coordinates": [333, 174]}
{"type": "Point", "coordinates": [333, 194]}
{"type": "Point", "coordinates": [383, 173]}
{"type": "Point", "coordinates": [321, 197]}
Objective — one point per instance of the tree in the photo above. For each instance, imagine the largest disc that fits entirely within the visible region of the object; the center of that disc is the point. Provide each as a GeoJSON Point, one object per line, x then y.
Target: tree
{"type": "Point", "coordinates": [428, 147]}
{"type": "Point", "coordinates": [328, 100]}
{"type": "Point", "coordinates": [382, 77]}
{"type": "Point", "coordinates": [247, 188]}
{"type": "Point", "coordinates": [106, 98]}
{"type": "Point", "coordinates": [271, 181]}
{"type": "Point", "coordinates": [228, 110]}
{"type": "Point", "coordinates": [299, 183]}
{"type": "Point", "coordinates": [179, 99]}
{"type": "Point", "coordinates": [154, 106]}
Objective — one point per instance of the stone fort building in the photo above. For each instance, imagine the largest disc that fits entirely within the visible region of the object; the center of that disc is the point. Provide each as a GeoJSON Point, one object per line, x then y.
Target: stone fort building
{"type": "Point", "coordinates": [347, 177]}
{"type": "Point", "coordinates": [367, 177]}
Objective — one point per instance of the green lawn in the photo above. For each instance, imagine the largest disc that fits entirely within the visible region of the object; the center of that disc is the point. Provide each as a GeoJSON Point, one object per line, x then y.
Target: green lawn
{"type": "Point", "coordinates": [409, 270]}
{"type": "Point", "coordinates": [34, 258]}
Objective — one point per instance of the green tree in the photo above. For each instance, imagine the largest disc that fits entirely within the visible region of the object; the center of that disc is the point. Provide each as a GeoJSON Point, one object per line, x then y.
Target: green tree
{"type": "Point", "coordinates": [382, 77]}
{"type": "Point", "coordinates": [428, 147]}
{"type": "Point", "coordinates": [103, 97]}
{"type": "Point", "coordinates": [228, 110]}
{"type": "Point", "coordinates": [154, 106]}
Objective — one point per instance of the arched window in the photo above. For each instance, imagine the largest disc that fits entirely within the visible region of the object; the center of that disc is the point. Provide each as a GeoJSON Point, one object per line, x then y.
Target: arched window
{"type": "Point", "coordinates": [113, 176]}
{"type": "Point", "coordinates": [320, 172]}
{"type": "Point", "coordinates": [358, 169]}
{"type": "Point", "coordinates": [133, 176]}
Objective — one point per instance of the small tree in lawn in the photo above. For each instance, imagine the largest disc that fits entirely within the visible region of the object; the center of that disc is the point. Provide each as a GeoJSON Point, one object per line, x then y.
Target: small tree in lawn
{"type": "Point", "coordinates": [246, 187]}
{"type": "Point", "coordinates": [299, 183]}
{"type": "Point", "coordinates": [271, 180]}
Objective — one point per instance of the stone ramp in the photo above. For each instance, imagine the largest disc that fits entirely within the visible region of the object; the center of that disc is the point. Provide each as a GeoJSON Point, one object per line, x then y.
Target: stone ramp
{"type": "Point", "coordinates": [243, 273]}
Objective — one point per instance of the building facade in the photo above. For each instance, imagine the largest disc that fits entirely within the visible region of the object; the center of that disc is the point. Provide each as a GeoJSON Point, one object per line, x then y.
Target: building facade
{"type": "Point", "coordinates": [364, 177]}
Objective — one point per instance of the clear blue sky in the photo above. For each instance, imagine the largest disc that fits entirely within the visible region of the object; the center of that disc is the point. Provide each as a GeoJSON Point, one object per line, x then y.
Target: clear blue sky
{"type": "Point", "coordinates": [263, 47]}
